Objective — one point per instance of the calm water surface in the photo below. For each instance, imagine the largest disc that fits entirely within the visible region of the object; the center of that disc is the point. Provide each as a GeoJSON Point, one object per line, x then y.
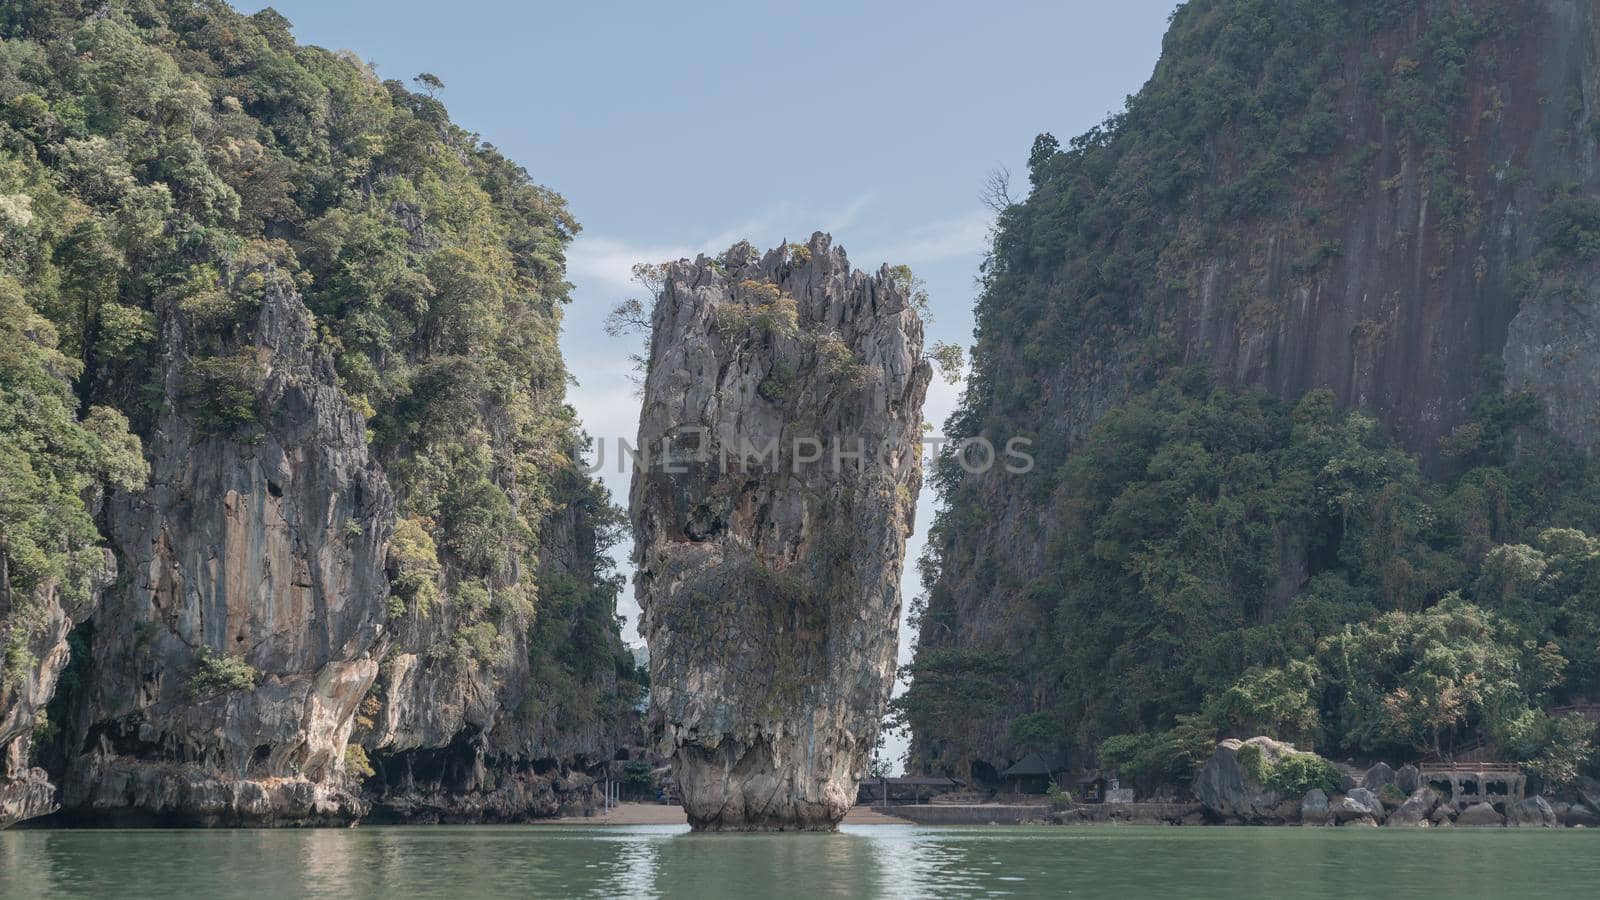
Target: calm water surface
{"type": "Point", "coordinates": [890, 861]}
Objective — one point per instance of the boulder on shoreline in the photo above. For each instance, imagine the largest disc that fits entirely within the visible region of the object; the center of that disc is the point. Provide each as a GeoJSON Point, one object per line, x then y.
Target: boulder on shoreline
{"type": "Point", "coordinates": [1417, 809]}
{"type": "Point", "coordinates": [1378, 776]}
{"type": "Point", "coordinates": [1359, 804]}
{"type": "Point", "coordinates": [1534, 812]}
{"type": "Point", "coordinates": [1579, 815]}
{"type": "Point", "coordinates": [1408, 779]}
{"type": "Point", "coordinates": [1314, 808]}
{"type": "Point", "coordinates": [1227, 788]}
{"type": "Point", "coordinates": [1480, 815]}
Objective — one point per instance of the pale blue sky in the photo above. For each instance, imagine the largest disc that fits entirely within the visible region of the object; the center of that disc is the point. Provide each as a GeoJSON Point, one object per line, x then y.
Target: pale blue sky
{"type": "Point", "coordinates": [677, 128]}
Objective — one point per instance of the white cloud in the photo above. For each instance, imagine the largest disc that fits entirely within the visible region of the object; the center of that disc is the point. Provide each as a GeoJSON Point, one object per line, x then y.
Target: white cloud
{"type": "Point", "coordinates": [609, 262]}
{"type": "Point", "coordinates": [960, 236]}
{"type": "Point", "coordinates": [847, 216]}
{"type": "Point", "coordinates": [595, 260]}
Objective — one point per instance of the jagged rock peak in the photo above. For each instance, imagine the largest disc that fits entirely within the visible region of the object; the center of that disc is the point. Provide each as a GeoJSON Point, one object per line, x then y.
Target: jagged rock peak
{"type": "Point", "coordinates": [782, 411]}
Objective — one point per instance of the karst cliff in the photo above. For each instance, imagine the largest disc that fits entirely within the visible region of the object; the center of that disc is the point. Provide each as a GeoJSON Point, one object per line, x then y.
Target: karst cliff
{"type": "Point", "coordinates": [781, 421]}
{"type": "Point", "coordinates": [292, 522]}
{"type": "Point", "coordinates": [1304, 335]}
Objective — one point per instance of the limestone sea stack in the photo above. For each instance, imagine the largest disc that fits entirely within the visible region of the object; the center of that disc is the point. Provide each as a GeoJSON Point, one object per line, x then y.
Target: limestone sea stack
{"type": "Point", "coordinates": [776, 487]}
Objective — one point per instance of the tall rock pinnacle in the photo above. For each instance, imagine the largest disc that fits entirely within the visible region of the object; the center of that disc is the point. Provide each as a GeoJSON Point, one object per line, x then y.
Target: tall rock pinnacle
{"type": "Point", "coordinates": [780, 428]}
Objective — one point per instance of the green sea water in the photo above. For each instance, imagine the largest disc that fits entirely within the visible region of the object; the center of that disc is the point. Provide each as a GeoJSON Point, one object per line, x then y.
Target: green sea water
{"type": "Point", "coordinates": [862, 861]}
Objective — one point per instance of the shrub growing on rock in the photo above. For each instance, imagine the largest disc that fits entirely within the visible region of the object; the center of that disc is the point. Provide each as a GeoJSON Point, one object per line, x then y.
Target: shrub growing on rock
{"type": "Point", "coordinates": [219, 673]}
{"type": "Point", "coordinates": [1295, 774]}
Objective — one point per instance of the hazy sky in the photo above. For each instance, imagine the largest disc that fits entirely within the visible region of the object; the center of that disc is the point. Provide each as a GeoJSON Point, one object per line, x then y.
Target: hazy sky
{"type": "Point", "coordinates": [675, 128]}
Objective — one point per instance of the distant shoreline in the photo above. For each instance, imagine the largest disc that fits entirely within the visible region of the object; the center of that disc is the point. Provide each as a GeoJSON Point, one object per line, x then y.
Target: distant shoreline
{"type": "Point", "coordinates": [970, 815]}
{"type": "Point", "coordinates": [669, 814]}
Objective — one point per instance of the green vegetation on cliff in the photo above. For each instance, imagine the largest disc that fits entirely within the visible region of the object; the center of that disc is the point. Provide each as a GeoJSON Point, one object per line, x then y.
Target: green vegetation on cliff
{"type": "Point", "coordinates": [164, 166]}
{"type": "Point", "coordinates": [51, 463]}
{"type": "Point", "coordinates": [1241, 126]}
{"type": "Point", "coordinates": [1304, 195]}
{"type": "Point", "coordinates": [1231, 564]}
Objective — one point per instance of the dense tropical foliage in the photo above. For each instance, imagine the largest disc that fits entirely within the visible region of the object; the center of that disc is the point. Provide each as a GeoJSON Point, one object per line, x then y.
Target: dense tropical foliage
{"type": "Point", "coordinates": [1217, 561]}
{"type": "Point", "coordinates": [1229, 564]}
{"type": "Point", "coordinates": [166, 164]}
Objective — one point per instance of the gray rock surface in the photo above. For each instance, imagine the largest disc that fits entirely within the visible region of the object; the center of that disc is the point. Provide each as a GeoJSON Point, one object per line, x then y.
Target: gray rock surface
{"type": "Point", "coordinates": [1315, 809]}
{"type": "Point", "coordinates": [1378, 776]}
{"type": "Point", "coordinates": [1407, 779]}
{"type": "Point", "coordinates": [1228, 790]}
{"type": "Point", "coordinates": [265, 544]}
{"type": "Point", "coordinates": [27, 791]}
{"type": "Point", "coordinates": [233, 663]}
{"type": "Point", "coordinates": [1359, 803]}
{"type": "Point", "coordinates": [771, 593]}
{"type": "Point", "coordinates": [1532, 812]}
{"type": "Point", "coordinates": [1416, 810]}
{"type": "Point", "coordinates": [1589, 790]}
{"type": "Point", "coordinates": [454, 738]}
{"type": "Point", "coordinates": [1480, 815]}
{"type": "Point", "coordinates": [1579, 814]}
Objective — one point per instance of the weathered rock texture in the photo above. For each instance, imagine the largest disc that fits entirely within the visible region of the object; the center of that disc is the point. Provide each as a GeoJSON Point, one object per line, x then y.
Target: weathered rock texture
{"type": "Point", "coordinates": [1393, 266]}
{"type": "Point", "coordinates": [1480, 815]}
{"type": "Point", "coordinates": [1315, 808]}
{"type": "Point", "coordinates": [1360, 804]}
{"type": "Point", "coordinates": [265, 545]}
{"type": "Point", "coordinates": [1532, 812]}
{"type": "Point", "coordinates": [1229, 790]}
{"type": "Point", "coordinates": [771, 593]}
{"type": "Point", "coordinates": [26, 790]}
{"type": "Point", "coordinates": [1416, 810]}
{"type": "Point", "coordinates": [466, 742]}
{"type": "Point", "coordinates": [366, 571]}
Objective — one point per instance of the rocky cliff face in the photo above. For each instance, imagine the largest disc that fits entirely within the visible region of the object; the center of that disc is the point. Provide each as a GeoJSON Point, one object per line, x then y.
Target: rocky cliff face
{"type": "Point", "coordinates": [229, 659]}
{"type": "Point", "coordinates": [1390, 201]}
{"type": "Point", "coordinates": [770, 587]}
{"type": "Point", "coordinates": [461, 741]}
{"type": "Point", "coordinates": [26, 791]}
{"type": "Point", "coordinates": [365, 574]}
{"type": "Point", "coordinates": [250, 646]}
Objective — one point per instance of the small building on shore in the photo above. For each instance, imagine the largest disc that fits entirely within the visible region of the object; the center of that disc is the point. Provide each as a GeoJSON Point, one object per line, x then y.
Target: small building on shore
{"type": "Point", "coordinates": [1034, 773]}
{"type": "Point", "coordinates": [1090, 787]}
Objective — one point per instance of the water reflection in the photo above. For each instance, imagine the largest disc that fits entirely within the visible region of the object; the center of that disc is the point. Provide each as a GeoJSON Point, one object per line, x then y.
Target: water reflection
{"type": "Point", "coordinates": [888, 861]}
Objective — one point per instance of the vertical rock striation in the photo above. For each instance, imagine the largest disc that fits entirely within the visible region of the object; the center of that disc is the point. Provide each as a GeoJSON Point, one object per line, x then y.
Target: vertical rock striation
{"type": "Point", "coordinates": [251, 642]}
{"type": "Point", "coordinates": [365, 572]}
{"type": "Point", "coordinates": [769, 557]}
{"type": "Point", "coordinates": [1425, 251]}
{"type": "Point", "coordinates": [262, 548]}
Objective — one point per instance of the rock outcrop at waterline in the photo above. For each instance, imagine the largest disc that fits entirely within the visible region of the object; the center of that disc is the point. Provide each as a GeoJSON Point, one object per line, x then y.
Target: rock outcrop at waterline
{"type": "Point", "coordinates": [770, 587]}
{"type": "Point", "coordinates": [459, 742]}
{"type": "Point", "coordinates": [364, 574]}
{"type": "Point", "coordinates": [228, 662]}
{"type": "Point", "coordinates": [26, 791]}
{"type": "Point", "coordinates": [252, 646]}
